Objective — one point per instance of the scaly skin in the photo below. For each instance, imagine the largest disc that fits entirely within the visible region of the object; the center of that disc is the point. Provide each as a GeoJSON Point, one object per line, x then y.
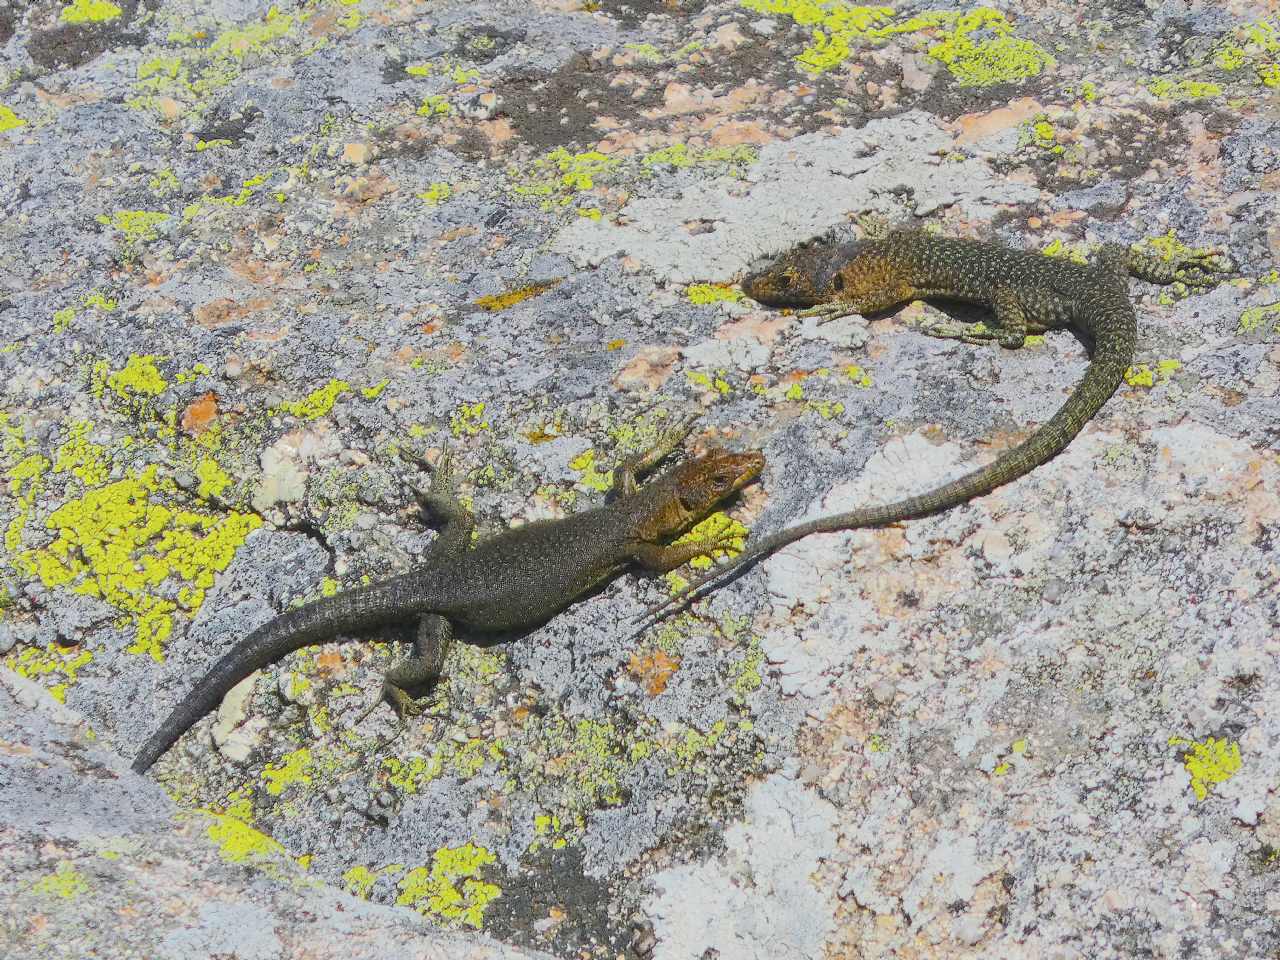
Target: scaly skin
{"type": "Point", "coordinates": [517, 579]}
{"type": "Point", "coordinates": [1028, 294]}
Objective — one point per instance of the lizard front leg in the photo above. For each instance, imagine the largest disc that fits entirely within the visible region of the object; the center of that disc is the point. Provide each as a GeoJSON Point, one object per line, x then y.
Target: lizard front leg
{"type": "Point", "coordinates": [662, 557]}
{"type": "Point", "coordinates": [634, 467]}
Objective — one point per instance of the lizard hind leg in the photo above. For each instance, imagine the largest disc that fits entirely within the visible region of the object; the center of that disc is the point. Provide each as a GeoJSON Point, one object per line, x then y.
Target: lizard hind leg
{"type": "Point", "coordinates": [434, 637]}
{"type": "Point", "coordinates": [1008, 328]}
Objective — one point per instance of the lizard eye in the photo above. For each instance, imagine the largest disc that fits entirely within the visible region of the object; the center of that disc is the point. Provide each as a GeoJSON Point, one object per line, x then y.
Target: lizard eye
{"type": "Point", "coordinates": [785, 280]}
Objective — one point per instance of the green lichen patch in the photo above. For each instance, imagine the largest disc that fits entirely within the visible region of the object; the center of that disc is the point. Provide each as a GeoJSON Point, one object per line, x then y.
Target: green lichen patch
{"type": "Point", "coordinates": [1209, 762]}
{"type": "Point", "coordinates": [451, 888]}
{"type": "Point", "coordinates": [137, 228]}
{"type": "Point", "coordinates": [123, 542]}
{"type": "Point", "coordinates": [436, 194]}
{"type": "Point", "coordinates": [318, 402]}
{"type": "Point", "coordinates": [977, 46]}
{"type": "Point", "coordinates": [556, 178]}
{"type": "Point", "coordinates": [359, 881]}
{"type": "Point", "coordinates": [138, 378]}
{"type": "Point", "coordinates": [181, 77]}
{"type": "Point", "coordinates": [236, 840]}
{"type": "Point", "coordinates": [724, 160]}
{"type": "Point", "coordinates": [590, 759]}
{"type": "Point", "coordinates": [705, 293]}
{"type": "Point", "coordinates": [1169, 249]}
{"type": "Point", "coordinates": [1262, 320]}
{"type": "Point", "coordinates": [10, 120]}
{"type": "Point", "coordinates": [1255, 45]}
{"type": "Point", "coordinates": [51, 663]}
{"type": "Point", "coordinates": [1146, 375]}
{"type": "Point", "coordinates": [435, 106]}
{"type": "Point", "coordinates": [1075, 252]}
{"type": "Point", "coordinates": [89, 11]}
{"type": "Point", "coordinates": [65, 883]}
{"type": "Point", "coordinates": [1171, 88]}
{"type": "Point", "coordinates": [712, 383]}
{"type": "Point", "coordinates": [721, 528]}
{"type": "Point", "coordinates": [292, 769]}
{"type": "Point", "coordinates": [589, 475]}
{"type": "Point", "coordinates": [469, 419]}
{"type": "Point", "coordinates": [548, 833]}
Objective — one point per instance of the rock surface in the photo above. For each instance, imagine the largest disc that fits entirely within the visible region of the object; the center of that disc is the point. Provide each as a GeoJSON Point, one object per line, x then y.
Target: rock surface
{"type": "Point", "coordinates": [249, 252]}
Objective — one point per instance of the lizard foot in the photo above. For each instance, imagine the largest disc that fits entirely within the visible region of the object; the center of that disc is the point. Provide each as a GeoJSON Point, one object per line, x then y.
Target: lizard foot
{"type": "Point", "coordinates": [874, 226]}
{"type": "Point", "coordinates": [827, 311]}
{"type": "Point", "coordinates": [1203, 270]}
{"type": "Point", "coordinates": [1198, 270]}
{"type": "Point", "coordinates": [405, 707]}
{"type": "Point", "coordinates": [977, 333]}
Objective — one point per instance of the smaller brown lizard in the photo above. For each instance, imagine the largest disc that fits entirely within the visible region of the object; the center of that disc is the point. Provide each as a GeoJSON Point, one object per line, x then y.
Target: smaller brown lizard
{"type": "Point", "coordinates": [511, 581]}
{"type": "Point", "coordinates": [1028, 293]}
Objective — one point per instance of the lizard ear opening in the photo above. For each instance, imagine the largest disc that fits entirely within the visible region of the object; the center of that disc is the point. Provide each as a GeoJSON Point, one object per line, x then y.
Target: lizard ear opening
{"type": "Point", "coordinates": [837, 282]}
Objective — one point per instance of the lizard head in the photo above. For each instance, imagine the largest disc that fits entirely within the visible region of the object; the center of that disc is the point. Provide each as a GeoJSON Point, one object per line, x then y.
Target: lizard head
{"type": "Point", "coordinates": [688, 492]}
{"type": "Point", "coordinates": [802, 277]}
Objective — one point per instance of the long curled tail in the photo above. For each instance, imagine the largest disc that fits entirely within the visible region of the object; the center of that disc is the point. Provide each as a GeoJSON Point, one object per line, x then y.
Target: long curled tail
{"type": "Point", "coordinates": [353, 609]}
{"type": "Point", "coordinates": [1112, 356]}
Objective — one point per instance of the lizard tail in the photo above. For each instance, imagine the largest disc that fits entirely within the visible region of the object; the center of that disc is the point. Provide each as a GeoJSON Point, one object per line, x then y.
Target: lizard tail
{"type": "Point", "coordinates": [1112, 355]}
{"type": "Point", "coordinates": [355, 609]}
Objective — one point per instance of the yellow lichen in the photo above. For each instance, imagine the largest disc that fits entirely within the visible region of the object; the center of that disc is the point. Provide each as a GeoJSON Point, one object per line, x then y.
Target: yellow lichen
{"type": "Point", "coordinates": [139, 377]}
{"type": "Point", "coordinates": [556, 177]}
{"type": "Point", "coordinates": [1143, 375]}
{"type": "Point", "coordinates": [293, 768]}
{"type": "Point", "coordinates": [704, 293]}
{"type": "Point", "coordinates": [707, 382]}
{"type": "Point", "coordinates": [89, 11]}
{"type": "Point", "coordinates": [138, 226]}
{"type": "Point", "coordinates": [236, 840]}
{"type": "Point", "coordinates": [1209, 762]}
{"type": "Point", "coordinates": [589, 475]}
{"type": "Point", "coordinates": [1263, 319]}
{"type": "Point", "coordinates": [1167, 88]}
{"type": "Point", "coordinates": [450, 889]}
{"type": "Point", "coordinates": [65, 662]}
{"type": "Point", "coordinates": [502, 301]}
{"type": "Point", "coordinates": [732, 160]}
{"type": "Point", "coordinates": [318, 402]}
{"type": "Point", "coordinates": [714, 527]}
{"type": "Point", "coordinates": [435, 105]}
{"type": "Point", "coordinates": [119, 543]}
{"type": "Point", "coordinates": [469, 420]}
{"type": "Point", "coordinates": [66, 882]}
{"type": "Point", "coordinates": [10, 120]}
{"type": "Point", "coordinates": [436, 194]}
{"type": "Point", "coordinates": [358, 881]}
{"type": "Point", "coordinates": [978, 46]}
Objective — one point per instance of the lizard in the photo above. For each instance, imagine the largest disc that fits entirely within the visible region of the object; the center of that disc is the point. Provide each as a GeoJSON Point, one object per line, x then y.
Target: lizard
{"type": "Point", "coordinates": [1027, 293]}
{"type": "Point", "coordinates": [516, 579]}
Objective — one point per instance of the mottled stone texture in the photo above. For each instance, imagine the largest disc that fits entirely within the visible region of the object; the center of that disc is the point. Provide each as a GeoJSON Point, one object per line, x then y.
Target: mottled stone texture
{"type": "Point", "coordinates": [248, 252]}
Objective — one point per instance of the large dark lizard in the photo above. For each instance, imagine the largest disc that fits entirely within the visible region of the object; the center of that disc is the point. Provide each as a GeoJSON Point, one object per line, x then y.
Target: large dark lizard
{"type": "Point", "coordinates": [1027, 293]}
{"type": "Point", "coordinates": [511, 581]}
